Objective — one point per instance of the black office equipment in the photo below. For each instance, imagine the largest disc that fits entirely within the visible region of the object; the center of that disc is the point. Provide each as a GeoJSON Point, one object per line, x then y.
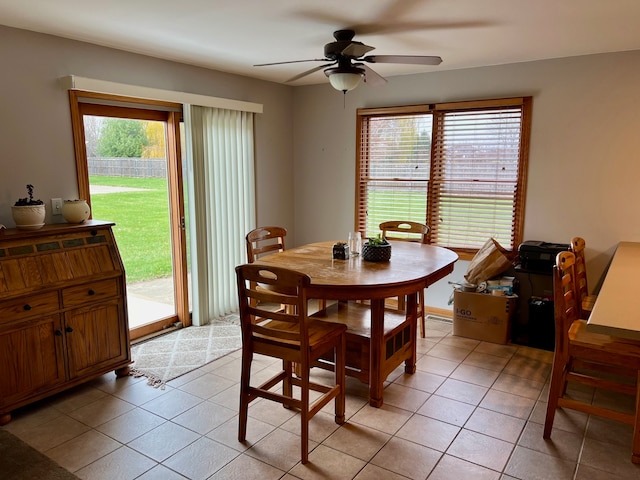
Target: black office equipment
{"type": "Point", "coordinates": [539, 257]}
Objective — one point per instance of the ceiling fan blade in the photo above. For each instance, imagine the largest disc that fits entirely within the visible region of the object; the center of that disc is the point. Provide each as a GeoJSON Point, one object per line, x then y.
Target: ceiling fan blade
{"type": "Point", "coordinates": [357, 49]}
{"type": "Point", "coordinates": [403, 27]}
{"type": "Point", "coordinates": [397, 9]}
{"type": "Point", "coordinates": [309, 72]}
{"type": "Point", "coordinates": [394, 9]}
{"type": "Point", "coordinates": [371, 77]}
{"type": "Point", "coordinates": [389, 19]}
{"type": "Point", "coordinates": [405, 59]}
{"type": "Point", "coordinates": [292, 61]}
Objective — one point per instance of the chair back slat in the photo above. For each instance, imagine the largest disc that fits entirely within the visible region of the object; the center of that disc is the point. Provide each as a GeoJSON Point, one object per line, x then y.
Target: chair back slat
{"type": "Point", "coordinates": [280, 315]}
{"type": "Point", "coordinates": [578, 246]}
{"type": "Point", "coordinates": [271, 295]}
{"type": "Point", "coordinates": [408, 231]}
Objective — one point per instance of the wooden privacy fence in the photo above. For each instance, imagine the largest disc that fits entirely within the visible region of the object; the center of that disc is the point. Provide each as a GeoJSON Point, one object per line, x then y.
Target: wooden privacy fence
{"type": "Point", "coordinates": [128, 167]}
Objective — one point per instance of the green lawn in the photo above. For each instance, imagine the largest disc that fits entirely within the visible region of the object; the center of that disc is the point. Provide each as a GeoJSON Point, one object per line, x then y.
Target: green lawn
{"type": "Point", "coordinates": [142, 220]}
{"type": "Point", "coordinates": [390, 204]}
{"type": "Point", "coordinates": [459, 215]}
{"type": "Point", "coordinates": [142, 224]}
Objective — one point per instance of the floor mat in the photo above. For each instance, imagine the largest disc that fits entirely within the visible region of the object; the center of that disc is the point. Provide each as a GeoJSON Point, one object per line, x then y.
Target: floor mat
{"type": "Point", "coordinates": [168, 356]}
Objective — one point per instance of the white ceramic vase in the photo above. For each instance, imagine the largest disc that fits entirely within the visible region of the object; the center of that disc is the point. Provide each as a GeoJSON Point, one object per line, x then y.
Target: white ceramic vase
{"type": "Point", "coordinates": [75, 211]}
{"type": "Point", "coordinates": [28, 217]}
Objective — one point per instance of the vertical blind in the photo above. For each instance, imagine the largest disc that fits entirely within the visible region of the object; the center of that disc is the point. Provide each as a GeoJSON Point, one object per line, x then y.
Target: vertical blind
{"type": "Point", "coordinates": [460, 168]}
{"type": "Point", "coordinates": [220, 154]}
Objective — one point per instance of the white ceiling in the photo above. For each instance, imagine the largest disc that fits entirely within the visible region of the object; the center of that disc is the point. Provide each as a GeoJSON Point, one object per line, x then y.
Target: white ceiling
{"type": "Point", "coordinates": [233, 35]}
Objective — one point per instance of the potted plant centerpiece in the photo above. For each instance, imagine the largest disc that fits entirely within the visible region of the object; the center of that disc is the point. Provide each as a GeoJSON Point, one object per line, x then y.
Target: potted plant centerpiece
{"type": "Point", "coordinates": [376, 249]}
{"type": "Point", "coordinates": [27, 212]}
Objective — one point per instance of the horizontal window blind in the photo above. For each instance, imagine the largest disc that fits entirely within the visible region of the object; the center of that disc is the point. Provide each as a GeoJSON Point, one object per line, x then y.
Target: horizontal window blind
{"type": "Point", "coordinates": [475, 177]}
{"type": "Point", "coordinates": [459, 167]}
{"type": "Point", "coordinates": [394, 178]}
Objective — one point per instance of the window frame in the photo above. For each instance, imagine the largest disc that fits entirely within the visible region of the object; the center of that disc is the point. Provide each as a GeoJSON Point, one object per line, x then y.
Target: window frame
{"type": "Point", "coordinates": [438, 111]}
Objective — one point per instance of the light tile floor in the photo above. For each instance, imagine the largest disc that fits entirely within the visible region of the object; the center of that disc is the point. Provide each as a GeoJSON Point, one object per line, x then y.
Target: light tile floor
{"type": "Point", "coordinates": [473, 410]}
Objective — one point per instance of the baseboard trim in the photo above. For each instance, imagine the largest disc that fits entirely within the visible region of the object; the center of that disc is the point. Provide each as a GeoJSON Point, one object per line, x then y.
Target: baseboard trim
{"type": "Point", "coordinates": [438, 312]}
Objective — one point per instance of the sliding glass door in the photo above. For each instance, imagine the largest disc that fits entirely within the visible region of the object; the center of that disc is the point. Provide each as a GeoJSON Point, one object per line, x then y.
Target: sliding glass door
{"type": "Point", "coordinates": [130, 170]}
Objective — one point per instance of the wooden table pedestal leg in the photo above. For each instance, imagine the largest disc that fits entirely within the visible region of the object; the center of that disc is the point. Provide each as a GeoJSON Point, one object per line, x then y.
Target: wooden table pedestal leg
{"type": "Point", "coordinates": [412, 313]}
{"type": "Point", "coordinates": [376, 382]}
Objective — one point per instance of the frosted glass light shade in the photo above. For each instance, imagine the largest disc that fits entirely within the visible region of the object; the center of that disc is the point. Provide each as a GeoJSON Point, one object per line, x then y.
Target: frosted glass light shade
{"type": "Point", "coordinates": [345, 81]}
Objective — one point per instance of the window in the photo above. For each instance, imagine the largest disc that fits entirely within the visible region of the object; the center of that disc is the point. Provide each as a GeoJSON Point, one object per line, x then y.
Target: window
{"type": "Point", "coordinates": [458, 167]}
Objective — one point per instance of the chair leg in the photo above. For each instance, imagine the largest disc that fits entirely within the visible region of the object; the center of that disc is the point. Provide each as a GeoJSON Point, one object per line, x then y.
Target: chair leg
{"type": "Point", "coordinates": [245, 378]}
{"type": "Point", "coordinates": [555, 391]}
{"type": "Point", "coordinates": [635, 444]}
{"type": "Point", "coordinates": [340, 371]}
{"type": "Point", "coordinates": [304, 414]}
{"type": "Point", "coordinates": [402, 302]}
{"type": "Point", "coordinates": [287, 386]}
{"type": "Point", "coordinates": [421, 315]}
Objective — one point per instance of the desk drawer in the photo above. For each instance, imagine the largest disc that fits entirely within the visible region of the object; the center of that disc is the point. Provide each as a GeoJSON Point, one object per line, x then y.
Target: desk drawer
{"type": "Point", "coordinates": [17, 309]}
{"type": "Point", "coordinates": [89, 292]}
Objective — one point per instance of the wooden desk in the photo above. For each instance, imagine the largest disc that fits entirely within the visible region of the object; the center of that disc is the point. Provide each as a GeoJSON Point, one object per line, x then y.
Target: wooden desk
{"type": "Point", "coordinates": [617, 309]}
{"type": "Point", "coordinates": [413, 266]}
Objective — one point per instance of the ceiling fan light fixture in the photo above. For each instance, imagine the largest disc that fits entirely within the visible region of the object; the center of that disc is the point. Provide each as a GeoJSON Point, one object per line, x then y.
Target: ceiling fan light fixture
{"type": "Point", "coordinates": [344, 79]}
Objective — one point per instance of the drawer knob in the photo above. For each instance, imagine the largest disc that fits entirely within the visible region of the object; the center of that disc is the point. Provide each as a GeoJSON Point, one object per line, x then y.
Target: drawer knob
{"type": "Point", "coordinates": [27, 307]}
{"type": "Point", "coordinates": [57, 332]}
{"type": "Point", "coordinates": [91, 291]}
{"type": "Point", "coordinates": [68, 329]}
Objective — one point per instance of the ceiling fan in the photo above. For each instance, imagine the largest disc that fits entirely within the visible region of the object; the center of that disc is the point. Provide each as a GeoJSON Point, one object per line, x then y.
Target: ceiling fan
{"type": "Point", "coordinates": [348, 62]}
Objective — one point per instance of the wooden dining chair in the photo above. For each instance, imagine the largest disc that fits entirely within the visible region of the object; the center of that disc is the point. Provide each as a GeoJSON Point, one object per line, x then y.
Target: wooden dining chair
{"type": "Point", "coordinates": [587, 301]}
{"type": "Point", "coordinates": [592, 359]}
{"type": "Point", "coordinates": [413, 232]}
{"type": "Point", "coordinates": [290, 335]}
{"type": "Point", "coordinates": [263, 241]}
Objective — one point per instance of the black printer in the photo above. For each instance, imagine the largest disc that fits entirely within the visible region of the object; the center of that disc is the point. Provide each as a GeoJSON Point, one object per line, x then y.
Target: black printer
{"type": "Point", "coordinates": [540, 257]}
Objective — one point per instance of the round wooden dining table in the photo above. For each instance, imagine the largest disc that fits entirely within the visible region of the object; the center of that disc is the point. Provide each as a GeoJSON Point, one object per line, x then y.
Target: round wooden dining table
{"type": "Point", "coordinates": [413, 266]}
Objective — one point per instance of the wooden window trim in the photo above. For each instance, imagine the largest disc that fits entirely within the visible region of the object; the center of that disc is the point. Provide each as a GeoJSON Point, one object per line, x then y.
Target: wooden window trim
{"type": "Point", "coordinates": [107, 105]}
{"type": "Point", "coordinates": [519, 197]}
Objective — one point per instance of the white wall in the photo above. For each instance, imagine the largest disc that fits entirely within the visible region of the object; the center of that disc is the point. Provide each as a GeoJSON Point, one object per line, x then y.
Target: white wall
{"type": "Point", "coordinates": [35, 125]}
{"type": "Point", "coordinates": [584, 171]}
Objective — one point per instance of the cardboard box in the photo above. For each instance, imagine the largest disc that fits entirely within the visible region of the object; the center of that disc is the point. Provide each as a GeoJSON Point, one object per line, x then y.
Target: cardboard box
{"type": "Point", "coordinates": [482, 316]}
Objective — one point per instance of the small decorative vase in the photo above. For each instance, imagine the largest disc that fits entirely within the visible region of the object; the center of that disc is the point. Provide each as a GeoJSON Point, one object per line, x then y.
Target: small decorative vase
{"type": "Point", "coordinates": [28, 217]}
{"type": "Point", "coordinates": [376, 253]}
{"type": "Point", "coordinates": [75, 211]}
